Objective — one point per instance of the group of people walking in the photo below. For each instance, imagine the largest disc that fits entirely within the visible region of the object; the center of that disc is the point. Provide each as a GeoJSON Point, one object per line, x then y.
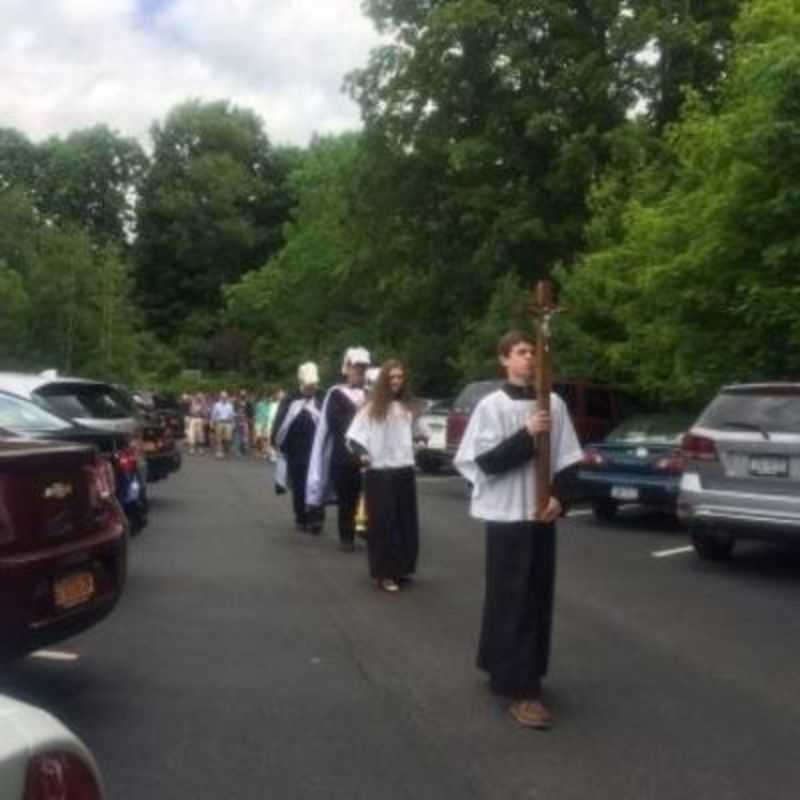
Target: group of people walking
{"type": "Point", "coordinates": [359, 438]}
{"type": "Point", "coordinates": [230, 423]}
{"type": "Point", "coordinates": [355, 443]}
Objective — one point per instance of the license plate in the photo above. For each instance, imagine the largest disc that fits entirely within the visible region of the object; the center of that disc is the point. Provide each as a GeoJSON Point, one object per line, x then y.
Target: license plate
{"type": "Point", "coordinates": [436, 441]}
{"type": "Point", "coordinates": [149, 447]}
{"type": "Point", "coordinates": [769, 466]}
{"type": "Point", "coordinates": [73, 590]}
{"type": "Point", "coordinates": [624, 493]}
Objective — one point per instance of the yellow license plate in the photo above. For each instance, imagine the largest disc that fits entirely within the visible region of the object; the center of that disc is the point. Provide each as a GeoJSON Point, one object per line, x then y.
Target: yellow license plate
{"type": "Point", "coordinates": [73, 590]}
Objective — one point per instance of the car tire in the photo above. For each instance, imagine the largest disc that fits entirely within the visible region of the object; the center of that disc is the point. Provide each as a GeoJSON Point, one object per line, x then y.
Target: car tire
{"type": "Point", "coordinates": [427, 465]}
{"type": "Point", "coordinates": [712, 545]}
{"type": "Point", "coordinates": [605, 510]}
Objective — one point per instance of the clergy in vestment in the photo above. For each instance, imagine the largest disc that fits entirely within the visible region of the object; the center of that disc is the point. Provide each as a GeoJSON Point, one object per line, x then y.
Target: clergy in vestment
{"type": "Point", "coordinates": [497, 456]}
{"type": "Point", "coordinates": [382, 433]}
{"type": "Point", "coordinates": [334, 474]}
{"type": "Point", "coordinates": [293, 434]}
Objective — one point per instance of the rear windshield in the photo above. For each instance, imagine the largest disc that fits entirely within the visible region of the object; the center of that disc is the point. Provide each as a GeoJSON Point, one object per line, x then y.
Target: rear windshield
{"type": "Point", "coordinates": [767, 410]}
{"type": "Point", "coordinates": [472, 394]}
{"type": "Point", "coordinates": [85, 400]}
{"type": "Point", "coordinates": [21, 416]}
{"type": "Point", "coordinates": [663, 428]}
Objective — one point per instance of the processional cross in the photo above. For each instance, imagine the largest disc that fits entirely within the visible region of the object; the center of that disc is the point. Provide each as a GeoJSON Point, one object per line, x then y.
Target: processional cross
{"type": "Point", "coordinates": [544, 309]}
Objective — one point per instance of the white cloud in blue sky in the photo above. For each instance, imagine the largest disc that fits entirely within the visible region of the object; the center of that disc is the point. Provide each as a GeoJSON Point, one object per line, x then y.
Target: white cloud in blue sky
{"type": "Point", "coordinates": [70, 64]}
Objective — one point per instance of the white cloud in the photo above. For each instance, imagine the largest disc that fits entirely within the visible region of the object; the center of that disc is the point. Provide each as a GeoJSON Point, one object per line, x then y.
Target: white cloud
{"type": "Point", "coordinates": [70, 64]}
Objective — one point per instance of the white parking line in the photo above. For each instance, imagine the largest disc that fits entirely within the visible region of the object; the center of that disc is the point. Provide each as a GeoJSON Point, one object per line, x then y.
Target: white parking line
{"type": "Point", "coordinates": [674, 552]}
{"type": "Point", "coordinates": [55, 655]}
{"type": "Point", "coordinates": [585, 512]}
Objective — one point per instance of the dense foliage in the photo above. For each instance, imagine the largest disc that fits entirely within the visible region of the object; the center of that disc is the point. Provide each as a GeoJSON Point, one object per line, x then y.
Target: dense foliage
{"type": "Point", "coordinates": [642, 152]}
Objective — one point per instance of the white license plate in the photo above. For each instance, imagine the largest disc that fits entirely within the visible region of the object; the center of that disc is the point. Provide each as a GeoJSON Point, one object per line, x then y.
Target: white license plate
{"type": "Point", "coordinates": [437, 440]}
{"type": "Point", "coordinates": [624, 493]}
{"type": "Point", "coordinates": [769, 466]}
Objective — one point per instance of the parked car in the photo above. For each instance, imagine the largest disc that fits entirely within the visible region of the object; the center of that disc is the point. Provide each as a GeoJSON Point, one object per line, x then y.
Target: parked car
{"type": "Point", "coordinates": [41, 759]}
{"type": "Point", "coordinates": [431, 450]}
{"type": "Point", "coordinates": [638, 462]}
{"type": "Point", "coordinates": [94, 404]}
{"type": "Point", "coordinates": [166, 407]}
{"type": "Point", "coordinates": [20, 417]}
{"type": "Point", "coordinates": [63, 543]}
{"type": "Point", "coordinates": [158, 440]}
{"type": "Point", "coordinates": [595, 408]}
{"type": "Point", "coordinates": [742, 473]}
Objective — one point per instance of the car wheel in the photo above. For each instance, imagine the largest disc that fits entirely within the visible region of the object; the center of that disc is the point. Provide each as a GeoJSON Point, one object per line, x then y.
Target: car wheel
{"type": "Point", "coordinates": [605, 510]}
{"type": "Point", "coordinates": [712, 545]}
{"type": "Point", "coordinates": [427, 465]}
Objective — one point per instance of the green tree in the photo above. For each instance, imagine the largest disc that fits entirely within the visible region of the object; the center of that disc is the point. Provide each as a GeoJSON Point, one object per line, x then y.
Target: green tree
{"type": "Point", "coordinates": [91, 179]}
{"type": "Point", "coordinates": [212, 207]}
{"type": "Point", "coordinates": [702, 282]}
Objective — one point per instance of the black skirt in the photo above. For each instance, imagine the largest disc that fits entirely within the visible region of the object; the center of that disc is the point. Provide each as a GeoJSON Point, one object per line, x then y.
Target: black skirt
{"type": "Point", "coordinates": [393, 524]}
{"type": "Point", "coordinates": [514, 644]}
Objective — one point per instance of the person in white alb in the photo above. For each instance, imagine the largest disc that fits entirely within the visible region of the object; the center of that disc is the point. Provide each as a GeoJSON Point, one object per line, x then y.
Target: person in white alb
{"type": "Point", "coordinates": [381, 434]}
{"type": "Point", "coordinates": [498, 455]}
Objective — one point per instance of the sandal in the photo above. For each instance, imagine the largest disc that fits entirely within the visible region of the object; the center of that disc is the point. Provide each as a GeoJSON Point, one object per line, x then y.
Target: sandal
{"type": "Point", "coordinates": [531, 714]}
{"type": "Point", "coordinates": [389, 585]}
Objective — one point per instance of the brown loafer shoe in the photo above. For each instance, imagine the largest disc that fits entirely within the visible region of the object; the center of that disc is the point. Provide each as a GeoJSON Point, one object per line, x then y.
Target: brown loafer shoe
{"type": "Point", "coordinates": [531, 714]}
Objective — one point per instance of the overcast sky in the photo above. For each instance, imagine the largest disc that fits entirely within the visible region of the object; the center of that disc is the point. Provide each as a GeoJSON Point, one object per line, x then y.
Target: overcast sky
{"type": "Point", "coordinates": [67, 64]}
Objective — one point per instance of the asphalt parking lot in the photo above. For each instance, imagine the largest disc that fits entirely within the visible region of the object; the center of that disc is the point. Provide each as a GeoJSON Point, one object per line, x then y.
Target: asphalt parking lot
{"type": "Point", "coordinates": [249, 660]}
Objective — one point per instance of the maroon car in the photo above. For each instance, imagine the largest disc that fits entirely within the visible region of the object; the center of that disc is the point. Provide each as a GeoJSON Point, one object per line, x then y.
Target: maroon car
{"type": "Point", "coordinates": [63, 543]}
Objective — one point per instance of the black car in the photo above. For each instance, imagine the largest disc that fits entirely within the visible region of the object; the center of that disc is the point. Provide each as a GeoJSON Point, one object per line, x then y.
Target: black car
{"type": "Point", "coordinates": [22, 418]}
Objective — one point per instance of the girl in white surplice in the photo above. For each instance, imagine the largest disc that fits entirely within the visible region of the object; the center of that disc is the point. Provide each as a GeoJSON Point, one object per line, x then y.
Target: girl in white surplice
{"type": "Point", "coordinates": [382, 434]}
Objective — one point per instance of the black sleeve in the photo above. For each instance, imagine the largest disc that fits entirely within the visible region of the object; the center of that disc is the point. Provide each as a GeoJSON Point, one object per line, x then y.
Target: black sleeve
{"type": "Point", "coordinates": [509, 454]}
{"type": "Point", "coordinates": [339, 414]}
{"type": "Point", "coordinates": [283, 408]}
{"type": "Point", "coordinates": [565, 485]}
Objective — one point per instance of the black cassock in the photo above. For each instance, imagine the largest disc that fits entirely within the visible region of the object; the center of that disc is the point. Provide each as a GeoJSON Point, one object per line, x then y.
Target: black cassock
{"type": "Point", "coordinates": [393, 523]}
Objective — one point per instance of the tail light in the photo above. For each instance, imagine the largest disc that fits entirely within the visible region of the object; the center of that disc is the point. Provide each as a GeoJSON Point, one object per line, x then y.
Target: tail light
{"type": "Point", "coordinates": [592, 457]}
{"type": "Point", "coordinates": [61, 775]}
{"type": "Point", "coordinates": [673, 463]}
{"type": "Point", "coordinates": [126, 459]}
{"type": "Point", "coordinates": [698, 448]}
{"type": "Point", "coordinates": [102, 484]}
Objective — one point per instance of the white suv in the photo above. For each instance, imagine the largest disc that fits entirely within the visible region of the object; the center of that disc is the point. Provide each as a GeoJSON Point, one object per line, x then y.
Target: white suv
{"type": "Point", "coordinates": [742, 468]}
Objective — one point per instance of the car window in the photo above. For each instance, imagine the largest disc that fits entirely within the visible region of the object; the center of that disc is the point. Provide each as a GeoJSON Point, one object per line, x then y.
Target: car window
{"type": "Point", "coordinates": [19, 416]}
{"type": "Point", "coordinates": [85, 400]}
{"type": "Point", "coordinates": [768, 410]}
{"type": "Point", "coordinates": [472, 394]}
{"type": "Point", "coordinates": [665, 428]}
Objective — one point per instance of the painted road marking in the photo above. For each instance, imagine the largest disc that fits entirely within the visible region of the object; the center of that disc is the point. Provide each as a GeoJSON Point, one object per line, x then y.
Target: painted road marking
{"type": "Point", "coordinates": [674, 552]}
{"type": "Point", "coordinates": [55, 655]}
{"type": "Point", "coordinates": [586, 512]}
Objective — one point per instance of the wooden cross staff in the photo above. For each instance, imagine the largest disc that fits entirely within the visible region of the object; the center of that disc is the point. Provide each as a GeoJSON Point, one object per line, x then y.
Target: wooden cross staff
{"type": "Point", "coordinates": [544, 310]}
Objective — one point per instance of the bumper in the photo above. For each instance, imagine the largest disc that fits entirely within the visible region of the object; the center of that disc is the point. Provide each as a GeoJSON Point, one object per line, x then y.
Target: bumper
{"type": "Point", "coordinates": [623, 488]}
{"type": "Point", "coordinates": [746, 516]}
{"type": "Point", "coordinates": [29, 616]}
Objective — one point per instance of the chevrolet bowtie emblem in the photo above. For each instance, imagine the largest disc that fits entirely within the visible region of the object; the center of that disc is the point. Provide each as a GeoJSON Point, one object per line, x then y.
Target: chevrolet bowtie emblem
{"type": "Point", "coordinates": [58, 491]}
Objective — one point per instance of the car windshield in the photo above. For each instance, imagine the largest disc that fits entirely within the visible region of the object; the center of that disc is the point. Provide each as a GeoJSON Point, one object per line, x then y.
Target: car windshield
{"type": "Point", "coordinates": [85, 400]}
{"type": "Point", "coordinates": [472, 393]}
{"type": "Point", "coordinates": [774, 410]}
{"type": "Point", "coordinates": [663, 428]}
{"type": "Point", "coordinates": [20, 416]}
